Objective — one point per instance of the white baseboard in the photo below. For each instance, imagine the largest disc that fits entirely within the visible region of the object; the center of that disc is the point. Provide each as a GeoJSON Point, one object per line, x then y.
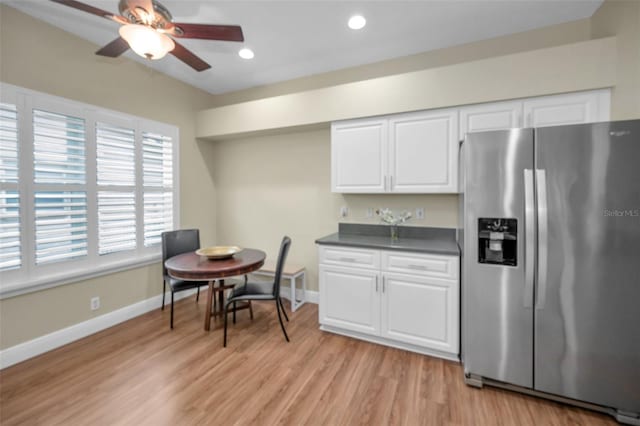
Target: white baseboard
{"type": "Point", "coordinates": [48, 342]}
{"type": "Point", "coordinates": [310, 296]}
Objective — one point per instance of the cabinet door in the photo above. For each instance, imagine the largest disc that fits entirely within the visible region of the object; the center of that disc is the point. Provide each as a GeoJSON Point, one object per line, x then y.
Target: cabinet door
{"type": "Point", "coordinates": [350, 299]}
{"type": "Point", "coordinates": [490, 116]}
{"type": "Point", "coordinates": [422, 311]}
{"type": "Point", "coordinates": [423, 152]}
{"type": "Point", "coordinates": [570, 108]}
{"type": "Point", "coordinates": [358, 156]}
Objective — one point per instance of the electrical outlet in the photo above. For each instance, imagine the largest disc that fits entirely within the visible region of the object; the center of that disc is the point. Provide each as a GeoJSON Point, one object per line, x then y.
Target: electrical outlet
{"type": "Point", "coordinates": [420, 213]}
{"type": "Point", "coordinates": [95, 303]}
{"type": "Point", "coordinates": [344, 211]}
{"type": "Point", "coordinates": [369, 212]}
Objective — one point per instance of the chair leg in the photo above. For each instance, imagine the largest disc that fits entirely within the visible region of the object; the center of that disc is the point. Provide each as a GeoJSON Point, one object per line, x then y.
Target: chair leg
{"type": "Point", "coordinates": [281, 323]}
{"type": "Point", "coordinates": [172, 310]}
{"type": "Point", "coordinates": [164, 288]}
{"type": "Point", "coordinates": [198, 295]}
{"type": "Point", "coordinates": [250, 309]}
{"type": "Point", "coordinates": [224, 344]}
{"type": "Point", "coordinates": [283, 310]}
{"type": "Point", "coordinates": [234, 312]}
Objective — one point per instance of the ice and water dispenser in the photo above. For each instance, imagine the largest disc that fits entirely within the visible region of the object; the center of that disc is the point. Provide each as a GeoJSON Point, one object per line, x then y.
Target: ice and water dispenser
{"type": "Point", "coordinates": [498, 241]}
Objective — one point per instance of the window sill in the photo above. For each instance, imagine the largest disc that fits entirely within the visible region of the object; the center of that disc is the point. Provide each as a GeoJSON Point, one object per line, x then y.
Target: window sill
{"type": "Point", "coordinates": [17, 289]}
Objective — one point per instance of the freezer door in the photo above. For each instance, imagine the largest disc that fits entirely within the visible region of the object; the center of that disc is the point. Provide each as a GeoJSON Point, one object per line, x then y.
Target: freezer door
{"type": "Point", "coordinates": [497, 299]}
{"type": "Point", "coordinates": [587, 317]}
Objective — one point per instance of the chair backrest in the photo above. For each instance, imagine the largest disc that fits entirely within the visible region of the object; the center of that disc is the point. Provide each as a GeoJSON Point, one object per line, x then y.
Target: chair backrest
{"type": "Point", "coordinates": [282, 256]}
{"type": "Point", "coordinates": [178, 242]}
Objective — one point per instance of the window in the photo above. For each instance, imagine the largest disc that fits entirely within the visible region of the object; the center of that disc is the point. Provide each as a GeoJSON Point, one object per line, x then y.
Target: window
{"type": "Point", "coordinates": [83, 191]}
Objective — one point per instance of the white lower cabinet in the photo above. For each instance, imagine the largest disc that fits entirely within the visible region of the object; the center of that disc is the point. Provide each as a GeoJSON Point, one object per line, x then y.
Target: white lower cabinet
{"type": "Point", "coordinates": [350, 299]}
{"type": "Point", "coordinates": [411, 300]}
{"type": "Point", "coordinates": [421, 311]}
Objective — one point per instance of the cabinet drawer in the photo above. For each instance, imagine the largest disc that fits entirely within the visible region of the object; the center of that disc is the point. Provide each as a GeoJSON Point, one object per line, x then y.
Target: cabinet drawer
{"type": "Point", "coordinates": [432, 265]}
{"type": "Point", "coordinates": [360, 258]}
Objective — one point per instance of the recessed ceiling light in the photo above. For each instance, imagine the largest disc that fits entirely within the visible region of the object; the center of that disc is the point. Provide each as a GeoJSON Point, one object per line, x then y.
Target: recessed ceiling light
{"type": "Point", "coordinates": [246, 53]}
{"type": "Point", "coordinates": [357, 22]}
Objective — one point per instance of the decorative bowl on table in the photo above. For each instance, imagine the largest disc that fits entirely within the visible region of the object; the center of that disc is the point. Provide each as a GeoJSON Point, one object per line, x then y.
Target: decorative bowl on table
{"type": "Point", "coordinates": [218, 252]}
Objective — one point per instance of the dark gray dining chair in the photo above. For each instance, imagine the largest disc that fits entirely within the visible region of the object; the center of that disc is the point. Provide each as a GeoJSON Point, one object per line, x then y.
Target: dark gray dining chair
{"type": "Point", "coordinates": [173, 244]}
{"type": "Point", "coordinates": [261, 291]}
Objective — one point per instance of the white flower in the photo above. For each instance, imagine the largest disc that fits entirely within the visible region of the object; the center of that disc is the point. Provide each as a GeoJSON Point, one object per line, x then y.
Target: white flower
{"type": "Point", "coordinates": [387, 216]}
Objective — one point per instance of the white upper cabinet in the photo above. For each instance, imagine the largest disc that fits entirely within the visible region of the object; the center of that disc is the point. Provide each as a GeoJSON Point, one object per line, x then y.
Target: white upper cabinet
{"type": "Point", "coordinates": [359, 156]}
{"type": "Point", "coordinates": [423, 151]}
{"type": "Point", "coordinates": [417, 152]}
{"type": "Point", "coordinates": [491, 116]}
{"type": "Point", "coordinates": [403, 153]}
{"type": "Point", "coordinates": [570, 108]}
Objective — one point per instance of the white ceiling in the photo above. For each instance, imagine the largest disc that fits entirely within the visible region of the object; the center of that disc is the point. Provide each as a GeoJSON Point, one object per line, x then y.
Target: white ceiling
{"type": "Point", "coordinates": [299, 38]}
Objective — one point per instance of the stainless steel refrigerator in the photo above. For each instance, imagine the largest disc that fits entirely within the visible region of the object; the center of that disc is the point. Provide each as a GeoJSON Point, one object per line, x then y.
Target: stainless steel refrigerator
{"type": "Point", "coordinates": [551, 263]}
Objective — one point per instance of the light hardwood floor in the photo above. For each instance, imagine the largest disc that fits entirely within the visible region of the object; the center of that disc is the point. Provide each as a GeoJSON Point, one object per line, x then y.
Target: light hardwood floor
{"type": "Point", "coordinates": [142, 373]}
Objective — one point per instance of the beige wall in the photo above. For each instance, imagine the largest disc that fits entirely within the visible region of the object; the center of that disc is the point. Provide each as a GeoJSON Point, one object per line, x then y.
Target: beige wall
{"type": "Point", "coordinates": [270, 186]}
{"type": "Point", "coordinates": [519, 75]}
{"type": "Point", "coordinates": [41, 57]}
{"type": "Point", "coordinates": [622, 19]}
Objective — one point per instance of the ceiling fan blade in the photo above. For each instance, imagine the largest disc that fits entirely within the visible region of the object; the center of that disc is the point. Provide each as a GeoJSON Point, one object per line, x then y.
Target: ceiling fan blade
{"type": "Point", "coordinates": [85, 8]}
{"type": "Point", "coordinates": [209, 32]}
{"type": "Point", "coordinates": [189, 58]}
{"type": "Point", "coordinates": [114, 49]}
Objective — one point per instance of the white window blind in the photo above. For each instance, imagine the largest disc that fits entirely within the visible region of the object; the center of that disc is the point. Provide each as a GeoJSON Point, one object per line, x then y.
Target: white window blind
{"type": "Point", "coordinates": [116, 221]}
{"type": "Point", "coordinates": [58, 148]}
{"type": "Point", "coordinates": [84, 191]}
{"type": "Point", "coordinates": [61, 225]}
{"type": "Point", "coordinates": [10, 245]}
{"type": "Point", "coordinates": [59, 174]}
{"type": "Point", "coordinates": [157, 171]}
{"type": "Point", "coordinates": [115, 155]}
{"type": "Point", "coordinates": [116, 208]}
{"type": "Point", "coordinates": [8, 143]}
{"type": "Point", "coordinates": [10, 250]}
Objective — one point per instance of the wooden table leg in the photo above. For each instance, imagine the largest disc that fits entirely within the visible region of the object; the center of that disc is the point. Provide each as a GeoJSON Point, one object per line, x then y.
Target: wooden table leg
{"type": "Point", "coordinates": [221, 299]}
{"type": "Point", "coordinates": [207, 312]}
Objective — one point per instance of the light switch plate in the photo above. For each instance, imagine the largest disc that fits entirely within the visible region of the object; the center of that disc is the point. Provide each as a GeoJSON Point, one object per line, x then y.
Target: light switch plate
{"type": "Point", "coordinates": [420, 213]}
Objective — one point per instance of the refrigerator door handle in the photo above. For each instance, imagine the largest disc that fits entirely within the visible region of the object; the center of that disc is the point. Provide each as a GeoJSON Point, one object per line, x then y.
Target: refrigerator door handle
{"type": "Point", "coordinates": [543, 236]}
{"type": "Point", "coordinates": [529, 238]}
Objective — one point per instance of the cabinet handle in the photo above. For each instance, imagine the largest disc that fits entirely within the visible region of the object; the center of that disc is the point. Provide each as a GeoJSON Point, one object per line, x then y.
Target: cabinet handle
{"type": "Point", "coordinates": [390, 182]}
{"type": "Point", "coordinates": [376, 283]}
{"type": "Point", "coordinates": [383, 286]}
{"type": "Point", "coordinates": [420, 267]}
{"type": "Point", "coordinates": [347, 259]}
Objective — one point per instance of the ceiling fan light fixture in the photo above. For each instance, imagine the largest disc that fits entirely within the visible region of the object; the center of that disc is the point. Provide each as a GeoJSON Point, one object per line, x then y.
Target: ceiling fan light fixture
{"type": "Point", "coordinates": [146, 41]}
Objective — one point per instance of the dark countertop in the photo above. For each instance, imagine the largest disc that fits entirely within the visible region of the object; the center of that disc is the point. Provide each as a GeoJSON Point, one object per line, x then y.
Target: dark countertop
{"type": "Point", "coordinates": [411, 238]}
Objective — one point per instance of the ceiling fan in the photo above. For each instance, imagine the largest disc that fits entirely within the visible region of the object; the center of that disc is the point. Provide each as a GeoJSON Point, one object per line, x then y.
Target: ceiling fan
{"type": "Point", "coordinates": [147, 29]}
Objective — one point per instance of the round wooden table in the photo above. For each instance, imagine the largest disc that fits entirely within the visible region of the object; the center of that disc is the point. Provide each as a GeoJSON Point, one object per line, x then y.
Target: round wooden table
{"type": "Point", "coordinates": [192, 267]}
